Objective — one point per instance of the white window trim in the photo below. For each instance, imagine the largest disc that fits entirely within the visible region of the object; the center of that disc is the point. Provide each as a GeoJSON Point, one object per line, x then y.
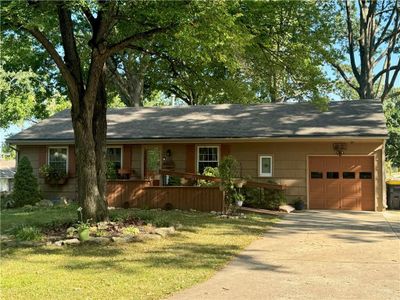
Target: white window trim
{"type": "Point", "coordinates": [260, 158]}
{"type": "Point", "coordinates": [206, 146]}
{"type": "Point", "coordinates": [122, 153]}
{"type": "Point", "coordinates": [59, 147]}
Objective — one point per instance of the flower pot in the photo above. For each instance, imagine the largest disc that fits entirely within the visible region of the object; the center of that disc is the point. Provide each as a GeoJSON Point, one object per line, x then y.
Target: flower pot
{"type": "Point", "coordinates": [56, 181]}
{"type": "Point", "coordinates": [299, 205]}
{"type": "Point", "coordinates": [84, 234]}
{"type": "Point", "coordinates": [240, 183]}
{"type": "Point", "coordinates": [239, 203]}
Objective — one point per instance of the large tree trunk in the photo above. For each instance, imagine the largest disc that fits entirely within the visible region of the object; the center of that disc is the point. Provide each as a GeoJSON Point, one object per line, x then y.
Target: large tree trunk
{"type": "Point", "coordinates": [90, 126]}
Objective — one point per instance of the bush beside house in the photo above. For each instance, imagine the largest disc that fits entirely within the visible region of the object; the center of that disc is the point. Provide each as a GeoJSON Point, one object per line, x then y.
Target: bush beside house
{"type": "Point", "coordinates": [26, 188]}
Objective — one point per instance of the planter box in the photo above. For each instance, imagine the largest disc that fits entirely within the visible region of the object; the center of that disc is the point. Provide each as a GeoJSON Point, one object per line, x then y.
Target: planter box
{"type": "Point", "coordinates": [52, 181]}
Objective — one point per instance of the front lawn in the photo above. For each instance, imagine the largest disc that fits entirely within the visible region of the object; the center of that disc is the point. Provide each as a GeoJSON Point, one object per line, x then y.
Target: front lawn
{"type": "Point", "coordinates": [150, 270]}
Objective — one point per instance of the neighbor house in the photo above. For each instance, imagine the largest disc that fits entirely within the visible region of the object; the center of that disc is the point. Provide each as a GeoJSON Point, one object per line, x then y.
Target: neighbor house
{"type": "Point", "coordinates": [331, 159]}
{"type": "Point", "coordinates": [7, 172]}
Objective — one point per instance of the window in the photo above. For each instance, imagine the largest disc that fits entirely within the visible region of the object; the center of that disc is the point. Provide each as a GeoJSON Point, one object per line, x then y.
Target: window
{"type": "Point", "coordinates": [332, 175]}
{"type": "Point", "coordinates": [349, 175]}
{"type": "Point", "coordinates": [58, 158]}
{"type": "Point", "coordinates": [365, 175]}
{"type": "Point", "coordinates": [316, 175]}
{"type": "Point", "coordinates": [114, 155]}
{"type": "Point", "coordinates": [265, 166]}
{"type": "Point", "coordinates": [207, 156]}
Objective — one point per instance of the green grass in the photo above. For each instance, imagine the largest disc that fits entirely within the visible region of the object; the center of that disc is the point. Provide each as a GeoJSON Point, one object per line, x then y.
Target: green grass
{"type": "Point", "coordinates": [150, 270]}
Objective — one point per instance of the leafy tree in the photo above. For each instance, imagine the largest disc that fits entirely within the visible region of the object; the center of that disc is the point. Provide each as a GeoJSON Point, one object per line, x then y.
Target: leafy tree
{"type": "Point", "coordinates": [370, 42]}
{"type": "Point", "coordinates": [392, 114]}
{"type": "Point", "coordinates": [289, 47]}
{"type": "Point", "coordinates": [26, 189]}
{"type": "Point", "coordinates": [80, 36]}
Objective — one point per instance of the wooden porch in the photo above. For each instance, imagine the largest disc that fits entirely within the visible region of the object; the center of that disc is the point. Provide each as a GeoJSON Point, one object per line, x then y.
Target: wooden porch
{"type": "Point", "coordinates": [142, 194]}
{"type": "Point", "coordinates": [148, 194]}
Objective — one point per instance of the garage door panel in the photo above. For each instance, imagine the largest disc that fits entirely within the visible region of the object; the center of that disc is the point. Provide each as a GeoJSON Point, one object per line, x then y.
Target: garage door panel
{"type": "Point", "coordinates": [342, 186]}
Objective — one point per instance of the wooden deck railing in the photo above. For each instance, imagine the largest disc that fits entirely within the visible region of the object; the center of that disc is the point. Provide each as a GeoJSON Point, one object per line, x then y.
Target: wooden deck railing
{"type": "Point", "coordinates": [247, 183]}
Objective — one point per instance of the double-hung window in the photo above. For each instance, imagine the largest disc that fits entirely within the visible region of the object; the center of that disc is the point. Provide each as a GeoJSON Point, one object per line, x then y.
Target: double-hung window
{"type": "Point", "coordinates": [58, 158]}
{"type": "Point", "coordinates": [265, 166]}
{"type": "Point", "coordinates": [207, 156]}
{"type": "Point", "coordinates": [114, 155]}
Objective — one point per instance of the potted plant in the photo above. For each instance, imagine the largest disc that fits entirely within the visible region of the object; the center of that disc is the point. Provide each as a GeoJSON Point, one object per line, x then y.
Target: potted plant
{"type": "Point", "coordinates": [83, 228]}
{"type": "Point", "coordinates": [53, 176]}
{"type": "Point", "coordinates": [239, 199]}
{"type": "Point", "coordinates": [240, 182]}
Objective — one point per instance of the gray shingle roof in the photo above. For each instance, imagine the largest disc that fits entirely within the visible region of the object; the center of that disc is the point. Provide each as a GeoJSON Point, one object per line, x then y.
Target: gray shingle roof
{"type": "Point", "coordinates": [344, 119]}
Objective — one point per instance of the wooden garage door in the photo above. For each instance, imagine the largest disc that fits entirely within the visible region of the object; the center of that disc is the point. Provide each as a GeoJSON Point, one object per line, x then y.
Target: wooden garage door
{"type": "Point", "coordinates": [345, 182]}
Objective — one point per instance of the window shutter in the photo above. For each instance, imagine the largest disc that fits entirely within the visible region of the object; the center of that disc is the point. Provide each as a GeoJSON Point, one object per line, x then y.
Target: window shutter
{"type": "Point", "coordinates": [225, 150]}
{"type": "Point", "coordinates": [127, 158]}
{"type": "Point", "coordinates": [71, 161]}
{"type": "Point", "coordinates": [190, 158]}
{"type": "Point", "coordinates": [42, 155]}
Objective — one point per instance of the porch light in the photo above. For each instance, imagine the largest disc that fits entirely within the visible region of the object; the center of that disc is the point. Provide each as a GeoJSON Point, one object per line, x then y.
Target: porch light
{"type": "Point", "coordinates": [339, 148]}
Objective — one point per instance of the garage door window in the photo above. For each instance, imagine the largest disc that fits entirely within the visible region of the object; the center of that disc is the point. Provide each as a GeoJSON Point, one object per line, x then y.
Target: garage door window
{"type": "Point", "coordinates": [317, 175]}
{"type": "Point", "coordinates": [332, 175]}
{"type": "Point", "coordinates": [349, 175]}
{"type": "Point", "coordinates": [365, 175]}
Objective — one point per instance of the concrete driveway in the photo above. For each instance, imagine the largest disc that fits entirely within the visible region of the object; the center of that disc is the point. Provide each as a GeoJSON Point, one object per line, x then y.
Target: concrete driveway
{"type": "Point", "coordinates": [314, 255]}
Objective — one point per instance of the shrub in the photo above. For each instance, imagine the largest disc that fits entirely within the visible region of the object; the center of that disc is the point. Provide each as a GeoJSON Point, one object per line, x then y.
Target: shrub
{"type": "Point", "coordinates": [131, 230]}
{"type": "Point", "coordinates": [267, 199]}
{"type": "Point", "coordinates": [26, 189]}
{"type": "Point", "coordinates": [6, 201]}
{"type": "Point", "coordinates": [111, 172]}
{"type": "Point", "coordinates": [27, 233]}
{"type": "Point", "coordinates": [209, 171]}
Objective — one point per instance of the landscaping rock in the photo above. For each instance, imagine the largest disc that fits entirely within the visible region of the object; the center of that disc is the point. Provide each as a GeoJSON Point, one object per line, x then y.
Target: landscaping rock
{"type": "Point", "coordinates": [67, 242]}
{"type": "Point", "coordinates": [286, 208]}
{"type": "Point", "coordinates": [213, 212]}
{"type": "Point", "coordinates": [164, 231]}
{"type": "Point", "coordinates": [45, 203]}
{"type": "Point", "coordinates": [28, 206]}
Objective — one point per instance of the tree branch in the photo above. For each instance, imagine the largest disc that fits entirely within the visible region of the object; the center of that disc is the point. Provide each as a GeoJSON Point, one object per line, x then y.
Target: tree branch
{"type": "Point", "coordinates": [382, 72]}
{"type": "Point", "coordinates": [45, 42]}
{"type": "Point", "coordinates": [135, 37]}
{"type": "Point", "coordinates": [351, 42]}
{"type": "Point", "coordinates": [344, 76]}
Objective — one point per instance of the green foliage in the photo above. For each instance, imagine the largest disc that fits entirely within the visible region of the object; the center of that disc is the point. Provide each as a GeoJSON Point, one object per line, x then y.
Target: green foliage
{"type": "Point", "coordinates": [392, 113]}
{"type": "Point", "coordinates": [111, 172]}
{"type": "Point", "coordinates": [264, 198]}
{"type": "Point", "coordinates": [229, 168]}
{"type": "Point", "coordinates": [26, 188]}
{"type": "Point", "coordinates": [6, 201]}
{"type": "Point", "coordinates": [52, 173]}
{"type": "Point", "coordinates": [209, 171]}
{"type": "Point", "coordinates": [131, 230]}
{"type": "Point", "coordinates": [27, 233]}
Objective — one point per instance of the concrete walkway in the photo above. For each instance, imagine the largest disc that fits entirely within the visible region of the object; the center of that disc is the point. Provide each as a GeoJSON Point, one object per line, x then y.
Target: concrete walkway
{"type": "Point", "coordinates": [314, 255]}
